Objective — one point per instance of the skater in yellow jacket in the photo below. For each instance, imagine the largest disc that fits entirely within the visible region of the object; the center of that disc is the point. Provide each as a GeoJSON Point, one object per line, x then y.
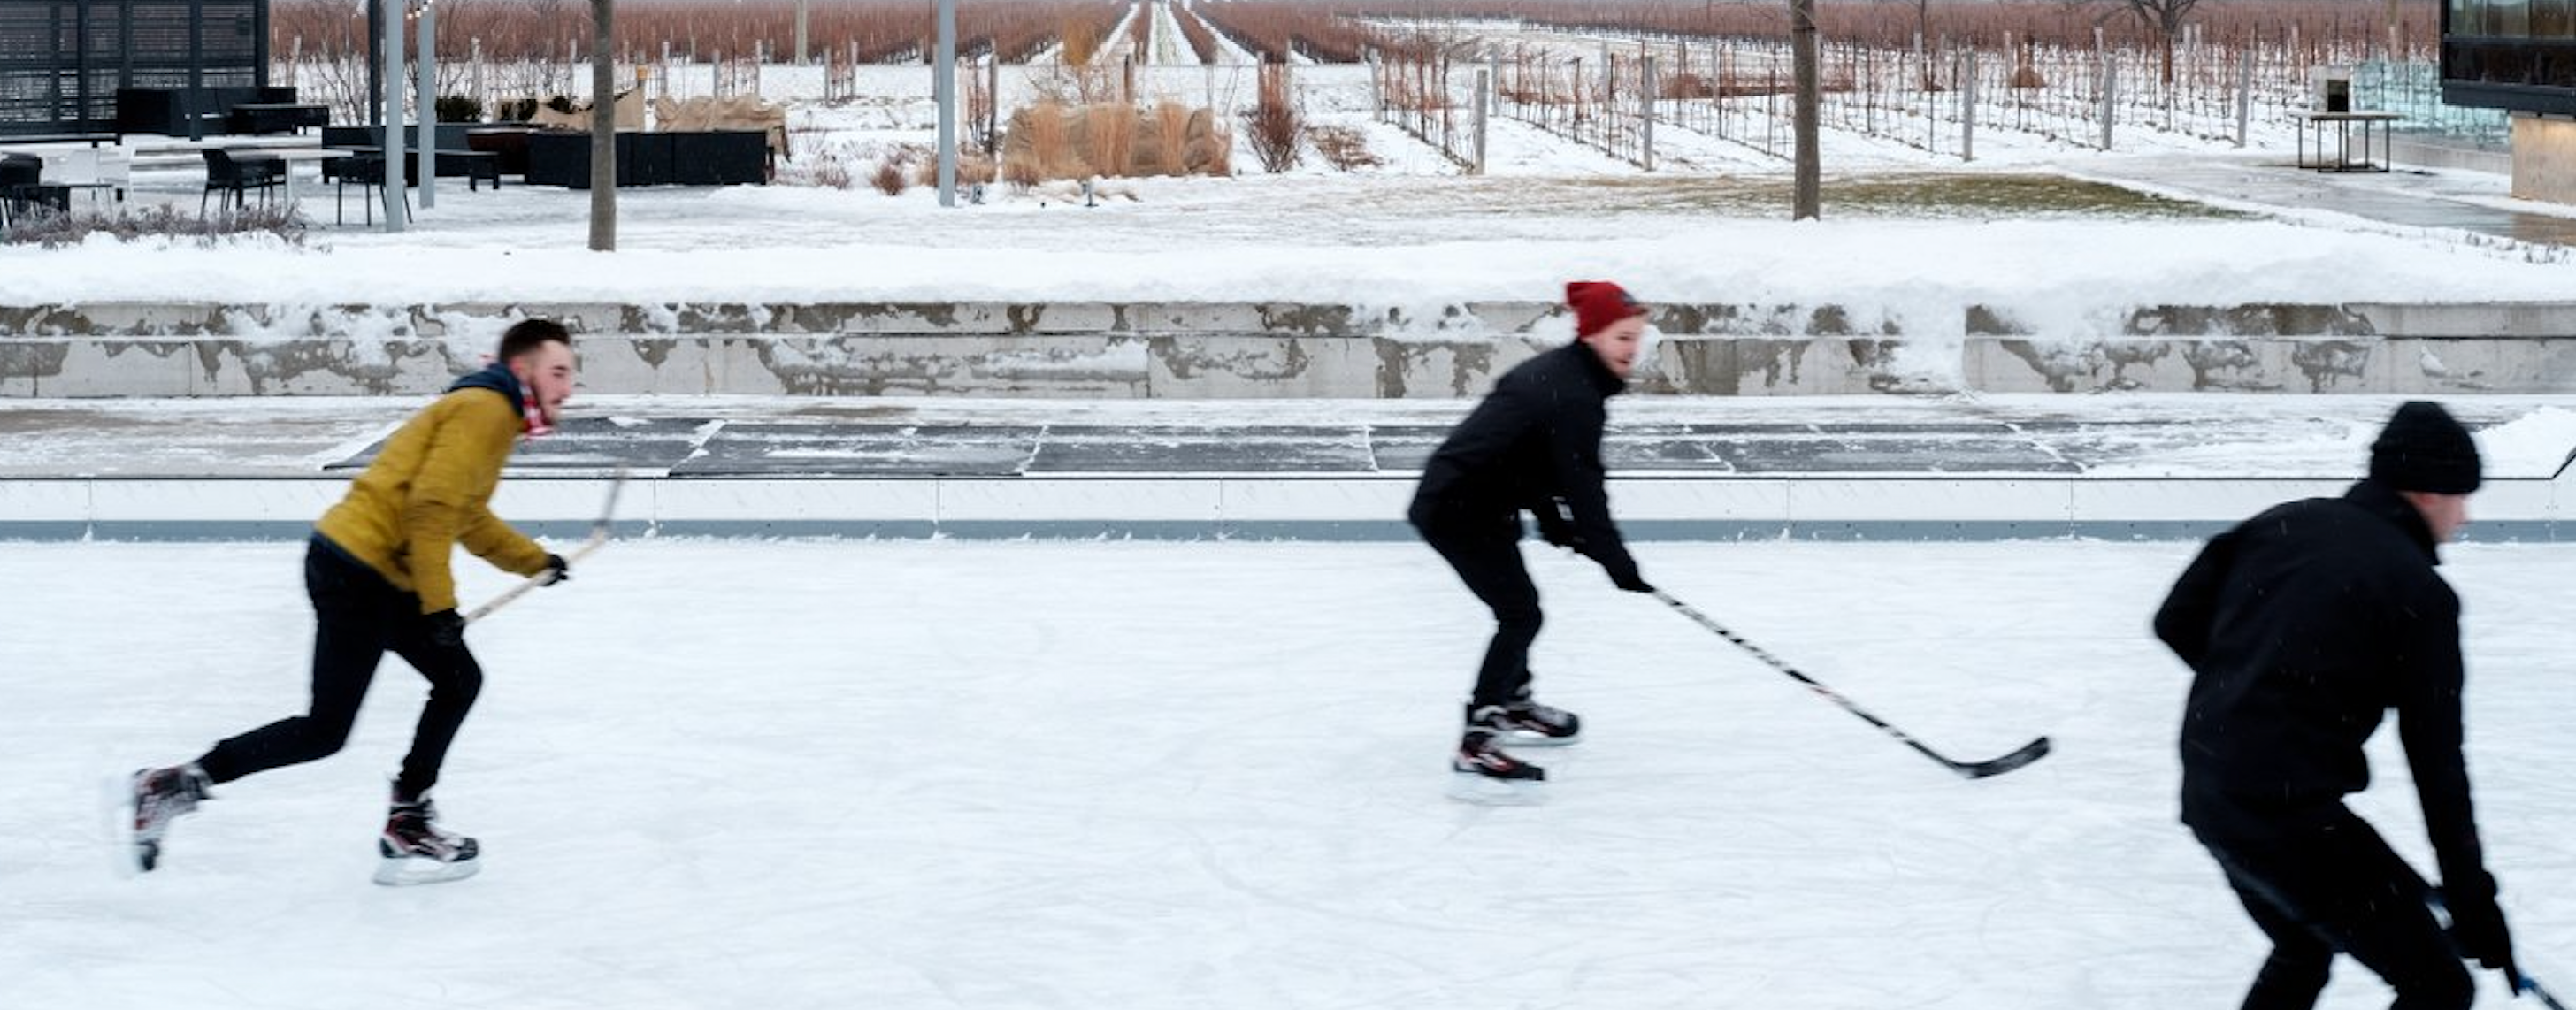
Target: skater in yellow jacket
{"type": "Point", "coordinates": [377, 569]}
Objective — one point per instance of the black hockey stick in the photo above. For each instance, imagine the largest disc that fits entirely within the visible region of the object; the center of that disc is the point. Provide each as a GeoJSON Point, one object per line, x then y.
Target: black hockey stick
{"type": "Point", "coordinates": [2029, 752]}
{"type": "Point", "coordinates": [598, 536]}
{"type": "Point", "coordinates": [2523, 983]}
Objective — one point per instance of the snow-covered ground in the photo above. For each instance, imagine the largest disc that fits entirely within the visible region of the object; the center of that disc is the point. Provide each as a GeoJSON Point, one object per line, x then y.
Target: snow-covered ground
{"type": "Point", "coordinates": [1060, 775]}
{"type": "Point", "coordinates": [1413, 233]}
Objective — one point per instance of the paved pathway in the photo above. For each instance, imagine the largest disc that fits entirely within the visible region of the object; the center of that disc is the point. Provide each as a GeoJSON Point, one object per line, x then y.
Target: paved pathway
{"type": "Point", "coordinates": [2458, 200]}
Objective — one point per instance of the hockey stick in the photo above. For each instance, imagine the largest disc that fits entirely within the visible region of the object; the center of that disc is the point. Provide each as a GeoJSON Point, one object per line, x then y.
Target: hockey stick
{"type": "Point", "coordinates": [2029, 752]}
{"type": "Point", "coordinates": [2522, 983]}
{"type": "Point", "coordinates": [598, 536]}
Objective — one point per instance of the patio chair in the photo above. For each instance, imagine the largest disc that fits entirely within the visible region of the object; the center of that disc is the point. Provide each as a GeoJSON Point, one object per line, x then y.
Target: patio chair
{"type": "Point", "coordinates": [22, 188]}
{"type": "Point", "coordinates": [238, 175]}
{"type": "Point", "coordinates": [368, 171]}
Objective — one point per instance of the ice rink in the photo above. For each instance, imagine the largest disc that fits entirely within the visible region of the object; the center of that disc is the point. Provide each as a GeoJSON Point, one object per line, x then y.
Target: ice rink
{"type": "Point", "coordinates": [1135, 775]}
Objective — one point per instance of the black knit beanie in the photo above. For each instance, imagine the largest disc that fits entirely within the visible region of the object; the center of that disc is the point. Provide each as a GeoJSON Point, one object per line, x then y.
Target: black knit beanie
{"type": "Point", "coordinates": [2423, 449]}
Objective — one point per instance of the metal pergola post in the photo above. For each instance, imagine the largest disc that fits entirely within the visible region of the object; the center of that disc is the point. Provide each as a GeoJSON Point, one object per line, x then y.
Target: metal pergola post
{"type": "Point", "coordinates": [427, 72]}
{"type": "Point", "coordinates": [947, 91]}
{"type": "Point", "coordinates": [390, 135]}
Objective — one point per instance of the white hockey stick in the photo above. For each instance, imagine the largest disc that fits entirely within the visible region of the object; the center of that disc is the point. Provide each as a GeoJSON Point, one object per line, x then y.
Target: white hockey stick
{"type": "Point", "coordinates": [598, 537]}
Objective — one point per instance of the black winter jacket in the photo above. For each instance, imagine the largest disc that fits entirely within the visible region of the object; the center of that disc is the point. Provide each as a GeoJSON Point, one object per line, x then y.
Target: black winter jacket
{"type": "Point", "coordinates": [2303, 626]}
{"type": "Point", "coordinates": [1534, 442]}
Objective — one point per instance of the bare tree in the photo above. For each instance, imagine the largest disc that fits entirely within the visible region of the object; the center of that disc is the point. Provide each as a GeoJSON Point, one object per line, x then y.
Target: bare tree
{"type": "Point", "coordinates": [2164, 18]}
{"type": "Point", "coordinates": [1806, 199]}
{"type": "Point", "coordinates": [603, 125]}
{"type": "Point", "coordinates": [1923, 38]}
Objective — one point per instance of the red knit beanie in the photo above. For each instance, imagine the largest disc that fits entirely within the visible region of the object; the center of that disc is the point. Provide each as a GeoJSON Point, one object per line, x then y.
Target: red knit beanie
{"type": "Point", "coordinates": [1597, 304]}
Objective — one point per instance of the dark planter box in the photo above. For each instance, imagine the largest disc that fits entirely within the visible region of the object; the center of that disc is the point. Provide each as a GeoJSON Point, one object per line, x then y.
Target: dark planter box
{"type": "Point", "coordinates": [714, 158]}
{"type": "Point", "coordinates": [720, 158]}
{"type": "Point", "coordinates": [509, 143]}
{"type": "Point", "coordinates": [180, 112]}
{"type": "Point", "coordinates": [451, 136]}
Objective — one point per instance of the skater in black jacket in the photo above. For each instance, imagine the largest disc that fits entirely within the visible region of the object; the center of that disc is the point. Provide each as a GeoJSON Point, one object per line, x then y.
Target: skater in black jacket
{"type": "Point", "coordinates": [1534, 444]}
{"type": "Point", "coordinates": [2303, 627]}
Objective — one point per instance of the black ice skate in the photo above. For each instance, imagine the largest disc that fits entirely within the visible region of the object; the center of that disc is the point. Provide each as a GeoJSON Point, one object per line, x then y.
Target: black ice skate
{"type": "Point", "coordinates": [416, 851]}
{"type": "Point", "coordinates": [155, 797]}
{"type": "Point", "coordinates": [1483, 773]}
{"type": "Point", "coordinates": [1525, 723]}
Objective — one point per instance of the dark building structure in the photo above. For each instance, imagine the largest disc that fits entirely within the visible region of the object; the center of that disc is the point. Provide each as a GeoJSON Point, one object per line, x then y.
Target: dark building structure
{"type": "Point", "coordinates": [63, 63]}
{"type": "Point", "coordinates": [2519, 55]}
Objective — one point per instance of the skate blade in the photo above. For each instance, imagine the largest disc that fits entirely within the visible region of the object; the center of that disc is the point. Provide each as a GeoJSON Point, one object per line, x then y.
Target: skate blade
{"type": "Point", "coordinates": [1469, 787]}
{"type": "Point", "coordinates": [405, 871]}
{"type": "Point", "coordinates": [1525, 738]}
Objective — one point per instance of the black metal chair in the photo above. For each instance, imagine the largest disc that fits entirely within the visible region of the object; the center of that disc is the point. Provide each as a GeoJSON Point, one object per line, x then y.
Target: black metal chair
{"type": "Point", "coordinates": [237, 175]}
{"type": "Point", "coordinates": [368, 171]}
{"type": "Point", "coordinates": [23, 189]}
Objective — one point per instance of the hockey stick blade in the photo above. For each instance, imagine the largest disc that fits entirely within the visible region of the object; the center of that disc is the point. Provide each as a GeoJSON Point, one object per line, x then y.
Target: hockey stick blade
{"type": "Point", "coordinates": [2028, 753]}
{"type": "Point", "coordinates": [2531, 987]}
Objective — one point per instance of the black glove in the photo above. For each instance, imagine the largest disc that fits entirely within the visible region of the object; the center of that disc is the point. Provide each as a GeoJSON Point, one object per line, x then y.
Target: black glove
{"type": "Point", "coordinates": [2477, 928]}
{"type": "Point", "coordinates": [558, 569]}
{"type": "Point", "coordinates": [446, 629]}
{"type": "Point", "coordinates": [1623, 574]}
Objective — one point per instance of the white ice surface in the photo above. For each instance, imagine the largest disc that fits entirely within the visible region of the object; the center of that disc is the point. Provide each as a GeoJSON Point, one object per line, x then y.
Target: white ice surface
{"type": "Point", "coordinates": [1138, 775]}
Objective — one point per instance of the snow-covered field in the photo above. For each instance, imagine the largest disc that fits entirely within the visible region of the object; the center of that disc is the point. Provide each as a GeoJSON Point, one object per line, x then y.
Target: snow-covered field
{"type": "Point", "coordinates": [1413, 233]}
{"type": "Point", "coordinates": [1045, 774]}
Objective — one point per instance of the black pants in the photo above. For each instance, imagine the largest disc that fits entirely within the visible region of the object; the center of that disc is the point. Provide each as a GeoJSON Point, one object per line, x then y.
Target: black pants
{"type": "Point", "coordinates": [2335, 886]}
{"type": "Point", "coordinates": [1487, 556]}
{"type": "Point", "coordinates": [358, 618]}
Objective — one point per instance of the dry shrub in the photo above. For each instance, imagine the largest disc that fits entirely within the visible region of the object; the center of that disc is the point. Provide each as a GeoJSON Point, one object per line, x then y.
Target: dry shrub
{"type": "Point", "coordinates": [830, 171]}
{"type": "Point", "coordinates": [53, 229]}
{"type": "Point", "coordinates": [1022, 175]}
{"type": "Point", "coordinates": [1039, 147]}
{"type": "Point", "coordinates": [1109, 137]}
{"type": "Point", "coordinates": [1688, 85]}
{"type": "Point", "coordinates": [1052, 141]}
{"type": "Point", "coordinates": [890, 178]}
{"type": "Point", "coordinates": [1344, 147]}
{"type": "Point", "coordinates": [1275, 125]}
{"type": "Point", "coordinates": [2027, 76]}
{"type": "Point", "coordinates": [1171, 125]}
{"type": "Point", "coordinates": [1211, 145]}
{"type": "Point", "coordinates": [972, 167]}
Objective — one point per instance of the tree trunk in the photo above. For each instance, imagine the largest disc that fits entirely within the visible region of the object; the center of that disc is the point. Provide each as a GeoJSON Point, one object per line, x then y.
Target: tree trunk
{"type": "Point", "coordinates": [603, 126]}
{"type": "Point", "coordinates": [1806, 199]}
{"type": "Point", "coordinates": [2165, 34]}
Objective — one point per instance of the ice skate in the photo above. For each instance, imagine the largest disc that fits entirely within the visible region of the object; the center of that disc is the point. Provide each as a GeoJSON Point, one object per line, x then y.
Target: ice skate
{"type": "Point", "coordinates": [155, 797]}
{"type": "Point", "coordinates": [1522, 722]}
{"type": "Point", "coordinates": [415, 850]}
{"type": "Point", "coordinates": [1480, 772]}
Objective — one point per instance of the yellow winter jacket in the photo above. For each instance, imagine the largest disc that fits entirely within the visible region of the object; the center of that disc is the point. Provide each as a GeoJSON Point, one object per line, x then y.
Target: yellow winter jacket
{"type": "Point", "coordinates": [431, 489]}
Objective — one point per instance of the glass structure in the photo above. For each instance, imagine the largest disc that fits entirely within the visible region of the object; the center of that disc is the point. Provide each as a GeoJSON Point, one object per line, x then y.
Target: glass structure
{"type": "Point", "coordinates": [2510, 54]}
{"type": "Point", "coordinates": [62, 61]}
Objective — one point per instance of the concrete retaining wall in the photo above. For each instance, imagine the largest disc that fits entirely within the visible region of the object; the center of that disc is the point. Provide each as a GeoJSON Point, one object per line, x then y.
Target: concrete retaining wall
{"type": "Point", "coordinates": [1105, 350]}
